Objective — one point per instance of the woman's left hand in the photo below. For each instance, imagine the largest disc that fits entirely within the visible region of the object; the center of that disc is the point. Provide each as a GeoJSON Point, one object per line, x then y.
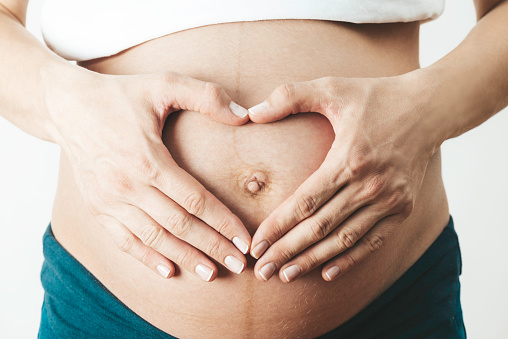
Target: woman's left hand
{"type": "Point", "coordinates": [367, 184]}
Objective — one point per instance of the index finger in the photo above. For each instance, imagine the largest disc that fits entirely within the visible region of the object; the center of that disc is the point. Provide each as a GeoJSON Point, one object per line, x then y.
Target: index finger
{"type": "Point", "coordinates": [189, 193]}
{"type": "Point", "coordinates": [308, 198]}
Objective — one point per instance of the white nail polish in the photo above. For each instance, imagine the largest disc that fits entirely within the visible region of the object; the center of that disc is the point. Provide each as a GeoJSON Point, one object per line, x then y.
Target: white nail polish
{"type": "Point", "coordinates": [259, 108]}
{"type": "Point", "coordinates": [291, 272]}
{"type": "Point", "coordinates": [204, 272]}
{"type": "Point", "coordinates": [234, 264]}
{"type": "Point", "coordinates": [332, 272]}
{"type": "Point", "coordinates": [238, 110]}
{"type": "Point", "coordinates": [266, 271]}
{"type": "Point", "coordinates": [241, 245]}
{"type": "Point", "coordinates": [163, 270]}
{"type": "Point", "coordinates": [260, 249]}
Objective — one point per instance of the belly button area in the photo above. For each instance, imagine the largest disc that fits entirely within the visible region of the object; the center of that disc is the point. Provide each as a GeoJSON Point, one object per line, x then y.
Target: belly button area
{"type": "Point", "coordinates": [254, 182]}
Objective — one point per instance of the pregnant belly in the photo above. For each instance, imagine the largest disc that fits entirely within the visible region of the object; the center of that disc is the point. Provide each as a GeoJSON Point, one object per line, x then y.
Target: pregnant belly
{"type": "Point", "coordinates": [252, 169]}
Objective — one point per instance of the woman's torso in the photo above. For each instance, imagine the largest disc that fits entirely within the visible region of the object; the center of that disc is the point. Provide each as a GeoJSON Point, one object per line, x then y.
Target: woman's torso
{"type": "Point", "coordinates": [249, 59]}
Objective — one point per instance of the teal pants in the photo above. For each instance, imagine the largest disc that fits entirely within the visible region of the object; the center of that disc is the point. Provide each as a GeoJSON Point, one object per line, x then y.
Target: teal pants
{"type": "Point", "coordinates": [423, 303]}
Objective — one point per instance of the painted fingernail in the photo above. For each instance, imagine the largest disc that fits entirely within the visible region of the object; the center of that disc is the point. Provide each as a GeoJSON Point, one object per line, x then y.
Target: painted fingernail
{"type": "Point", "coordinates": [266, 271]}
{"type": "Point", "coordinates": [163, 270]}
{"type": "Point", "coordinates": [204, 272]}
{"type": "Point", "coordinates": [332, 272]}
{"type": "Point", "coordinates": [291, 272]}
{"type": "Point", "coordinates": [238, 110]}
{"type": "Point", "coordinates": [260, 249]}
{"type": "Point", "coordinates": [241, 245]}
{"type": "Point", "coordinates": [259, 108]}
{"type": "Point", "coordinates": [234, 264]}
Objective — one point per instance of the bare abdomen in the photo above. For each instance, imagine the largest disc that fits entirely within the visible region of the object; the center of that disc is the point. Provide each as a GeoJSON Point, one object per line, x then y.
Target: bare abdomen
{"type": "Point", "coordinates": [249, 60]}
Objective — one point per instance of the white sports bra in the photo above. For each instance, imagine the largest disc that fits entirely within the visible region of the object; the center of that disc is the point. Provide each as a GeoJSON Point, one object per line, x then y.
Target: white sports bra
{"type": "Point", "coordinates": [84, 30]}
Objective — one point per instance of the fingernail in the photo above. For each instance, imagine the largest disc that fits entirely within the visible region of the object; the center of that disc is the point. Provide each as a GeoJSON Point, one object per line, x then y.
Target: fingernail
{"type": "Point", "coordinates": [260, 249]}
{"type": "Point", "coordinates": [234, 264]}
{"type": "Point", "coordinates": [332, 272]}
{"type": "Point", "coordinates": [238, 110]}
{"type": "Point", "coordinates": [204, 272]}
{"type": "Point", "coordinates": [266, 271]}
{"type": "Point", "coordinates": [259, 108]}
{"type": "Point", "coordinates": [291, 272]}
{"type": "Point", "coordinates": [163, 270]}
{"type": "Point", "coordinates": [241, 245]}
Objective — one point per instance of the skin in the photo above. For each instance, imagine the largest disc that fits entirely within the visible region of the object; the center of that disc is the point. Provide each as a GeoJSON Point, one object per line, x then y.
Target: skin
{"type": "Point", "coordinates": [152, 209]}
{"type": "Point", "coordinates": [306, 230]}
{"type": "Point", "coordinates": [367, 186]}
{"type": "Point", "coordinates": [144, 292]}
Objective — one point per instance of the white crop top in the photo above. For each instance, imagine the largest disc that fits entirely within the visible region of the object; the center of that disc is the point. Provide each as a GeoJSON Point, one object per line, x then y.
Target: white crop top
{"type": "Point", "coordinates": [89, 29]}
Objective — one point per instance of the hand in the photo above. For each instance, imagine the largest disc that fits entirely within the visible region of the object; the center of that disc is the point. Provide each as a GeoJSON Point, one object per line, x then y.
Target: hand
{"type": "Point", "coordinates": [365, 187]}
{"type": "Point", "coordinates": [110, 128]}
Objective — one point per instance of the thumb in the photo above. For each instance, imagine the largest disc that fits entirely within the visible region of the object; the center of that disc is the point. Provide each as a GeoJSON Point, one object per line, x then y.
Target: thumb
{"type": "Point", "coordinates": [187, 93]}
{"type": "Point", "coordinates": [286, 99]}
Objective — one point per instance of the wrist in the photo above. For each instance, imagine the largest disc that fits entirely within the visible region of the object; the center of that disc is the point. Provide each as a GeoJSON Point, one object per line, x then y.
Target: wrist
{"type": "Point", "coordinates": [431, 104]}
{"type": "Point", "coordinates": [61, 83]}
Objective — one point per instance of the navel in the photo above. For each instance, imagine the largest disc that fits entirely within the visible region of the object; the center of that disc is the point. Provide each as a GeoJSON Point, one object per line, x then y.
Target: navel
{"type": "Point", "coordinates": [254, 182]}
{"type": "Point", "coordinates": [254, 186]}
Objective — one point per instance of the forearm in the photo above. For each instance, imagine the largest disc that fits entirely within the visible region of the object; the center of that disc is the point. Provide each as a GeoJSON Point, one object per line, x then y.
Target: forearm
{"type": "Point", "coordinates": [26, 68]}
{"type": "Point", "coordinates": [470, 84]}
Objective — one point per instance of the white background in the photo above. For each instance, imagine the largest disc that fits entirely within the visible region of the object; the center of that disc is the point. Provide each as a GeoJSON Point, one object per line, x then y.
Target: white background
{"type": "Point", "coordinates": [475, 168]}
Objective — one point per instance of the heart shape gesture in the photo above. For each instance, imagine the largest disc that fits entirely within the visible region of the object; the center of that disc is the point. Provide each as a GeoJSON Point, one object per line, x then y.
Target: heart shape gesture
{"type": "Point", "coordinates": [367, 184]}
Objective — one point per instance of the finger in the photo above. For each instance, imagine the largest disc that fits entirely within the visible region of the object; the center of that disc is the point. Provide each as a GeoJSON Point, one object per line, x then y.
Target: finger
{"type": "Point", "coordinates": [327, 181]}
{"type": "Point", "coordinates": [191, 230]}
{"type": "Point", "coordinates": [368, 244]}
{"type": "Point", "coordinates": [181, 92]}
{"type": "Point", "coordinates": [130, 244]}
{"type": "Point", "coordinates": [290, 98]}
{"type": "Point", "coordinates": [316, 227]}
{"type": "Point", "coordinates": [190, 194]}
{"type": "Point", "coordinates": [152, 235]}
{"type": "Point", "coordinates": [338, 241]}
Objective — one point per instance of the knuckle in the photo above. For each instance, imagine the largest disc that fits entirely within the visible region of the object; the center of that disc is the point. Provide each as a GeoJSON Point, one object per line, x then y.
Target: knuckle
{"type": "Point", "coordinates": [126, 243]}
{"type": "Point", "coordinates": [152, 236]}
{"type": "Point", "coordinates": [278, 228]}
{"type": "Point", "coordinates": [214, 248]}
{"type": "Point", "coordinates": [350, 262]}
{"type": "Point", "coordinates": [346, 238]}
{"type": "Point", "coordinates": [284, 254]}
{"type": "Point", "coordinates": [117, 181]}
{"type": "Point", "coordinates": [184, 258]}
{"type": "Point", "coordinates": [213, 91]}
{"type": "Point", "coordinates": [373, 243]}
{"type": "Point", "coordinates": [148, 169]}
{"type": "Point", "coordinates": [305, 206]}
{"type": "Point", "coordinates": [121, 184]}
{"type": "Point", "coordinates": [223, 226]}
{"type": "Point", "coordinates": [319, 229]}
{"type": "Point", "coordinates": [311, 260]}
{"type": "Point", "coordinates": [358, 164]}
{"type": "Point", "coordinates": [146, 257]}
{"type": "Point", "coordinates": [392, 200]}
{"type": "Point", "coordinates": [328, 82]}
{"type": "Point", "coordinates": [400, 199]}
{"type": "Point", "coordinates": [373, 187]}
{"type": "Point", "coordinates": [195, 204]}
{"type": "Point", "coordinates": [286, 91]}
{"type": "Point", "coordinates": [178, 223]}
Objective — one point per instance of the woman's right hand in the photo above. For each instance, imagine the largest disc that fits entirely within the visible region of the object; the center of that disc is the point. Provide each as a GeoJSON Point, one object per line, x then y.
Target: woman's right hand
{"type": "Point", "coordinates": [110, 128]}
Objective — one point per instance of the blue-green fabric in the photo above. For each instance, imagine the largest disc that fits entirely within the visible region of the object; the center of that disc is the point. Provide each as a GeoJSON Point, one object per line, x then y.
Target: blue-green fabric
{"type": "Point", "coordinates": [423, 303]}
